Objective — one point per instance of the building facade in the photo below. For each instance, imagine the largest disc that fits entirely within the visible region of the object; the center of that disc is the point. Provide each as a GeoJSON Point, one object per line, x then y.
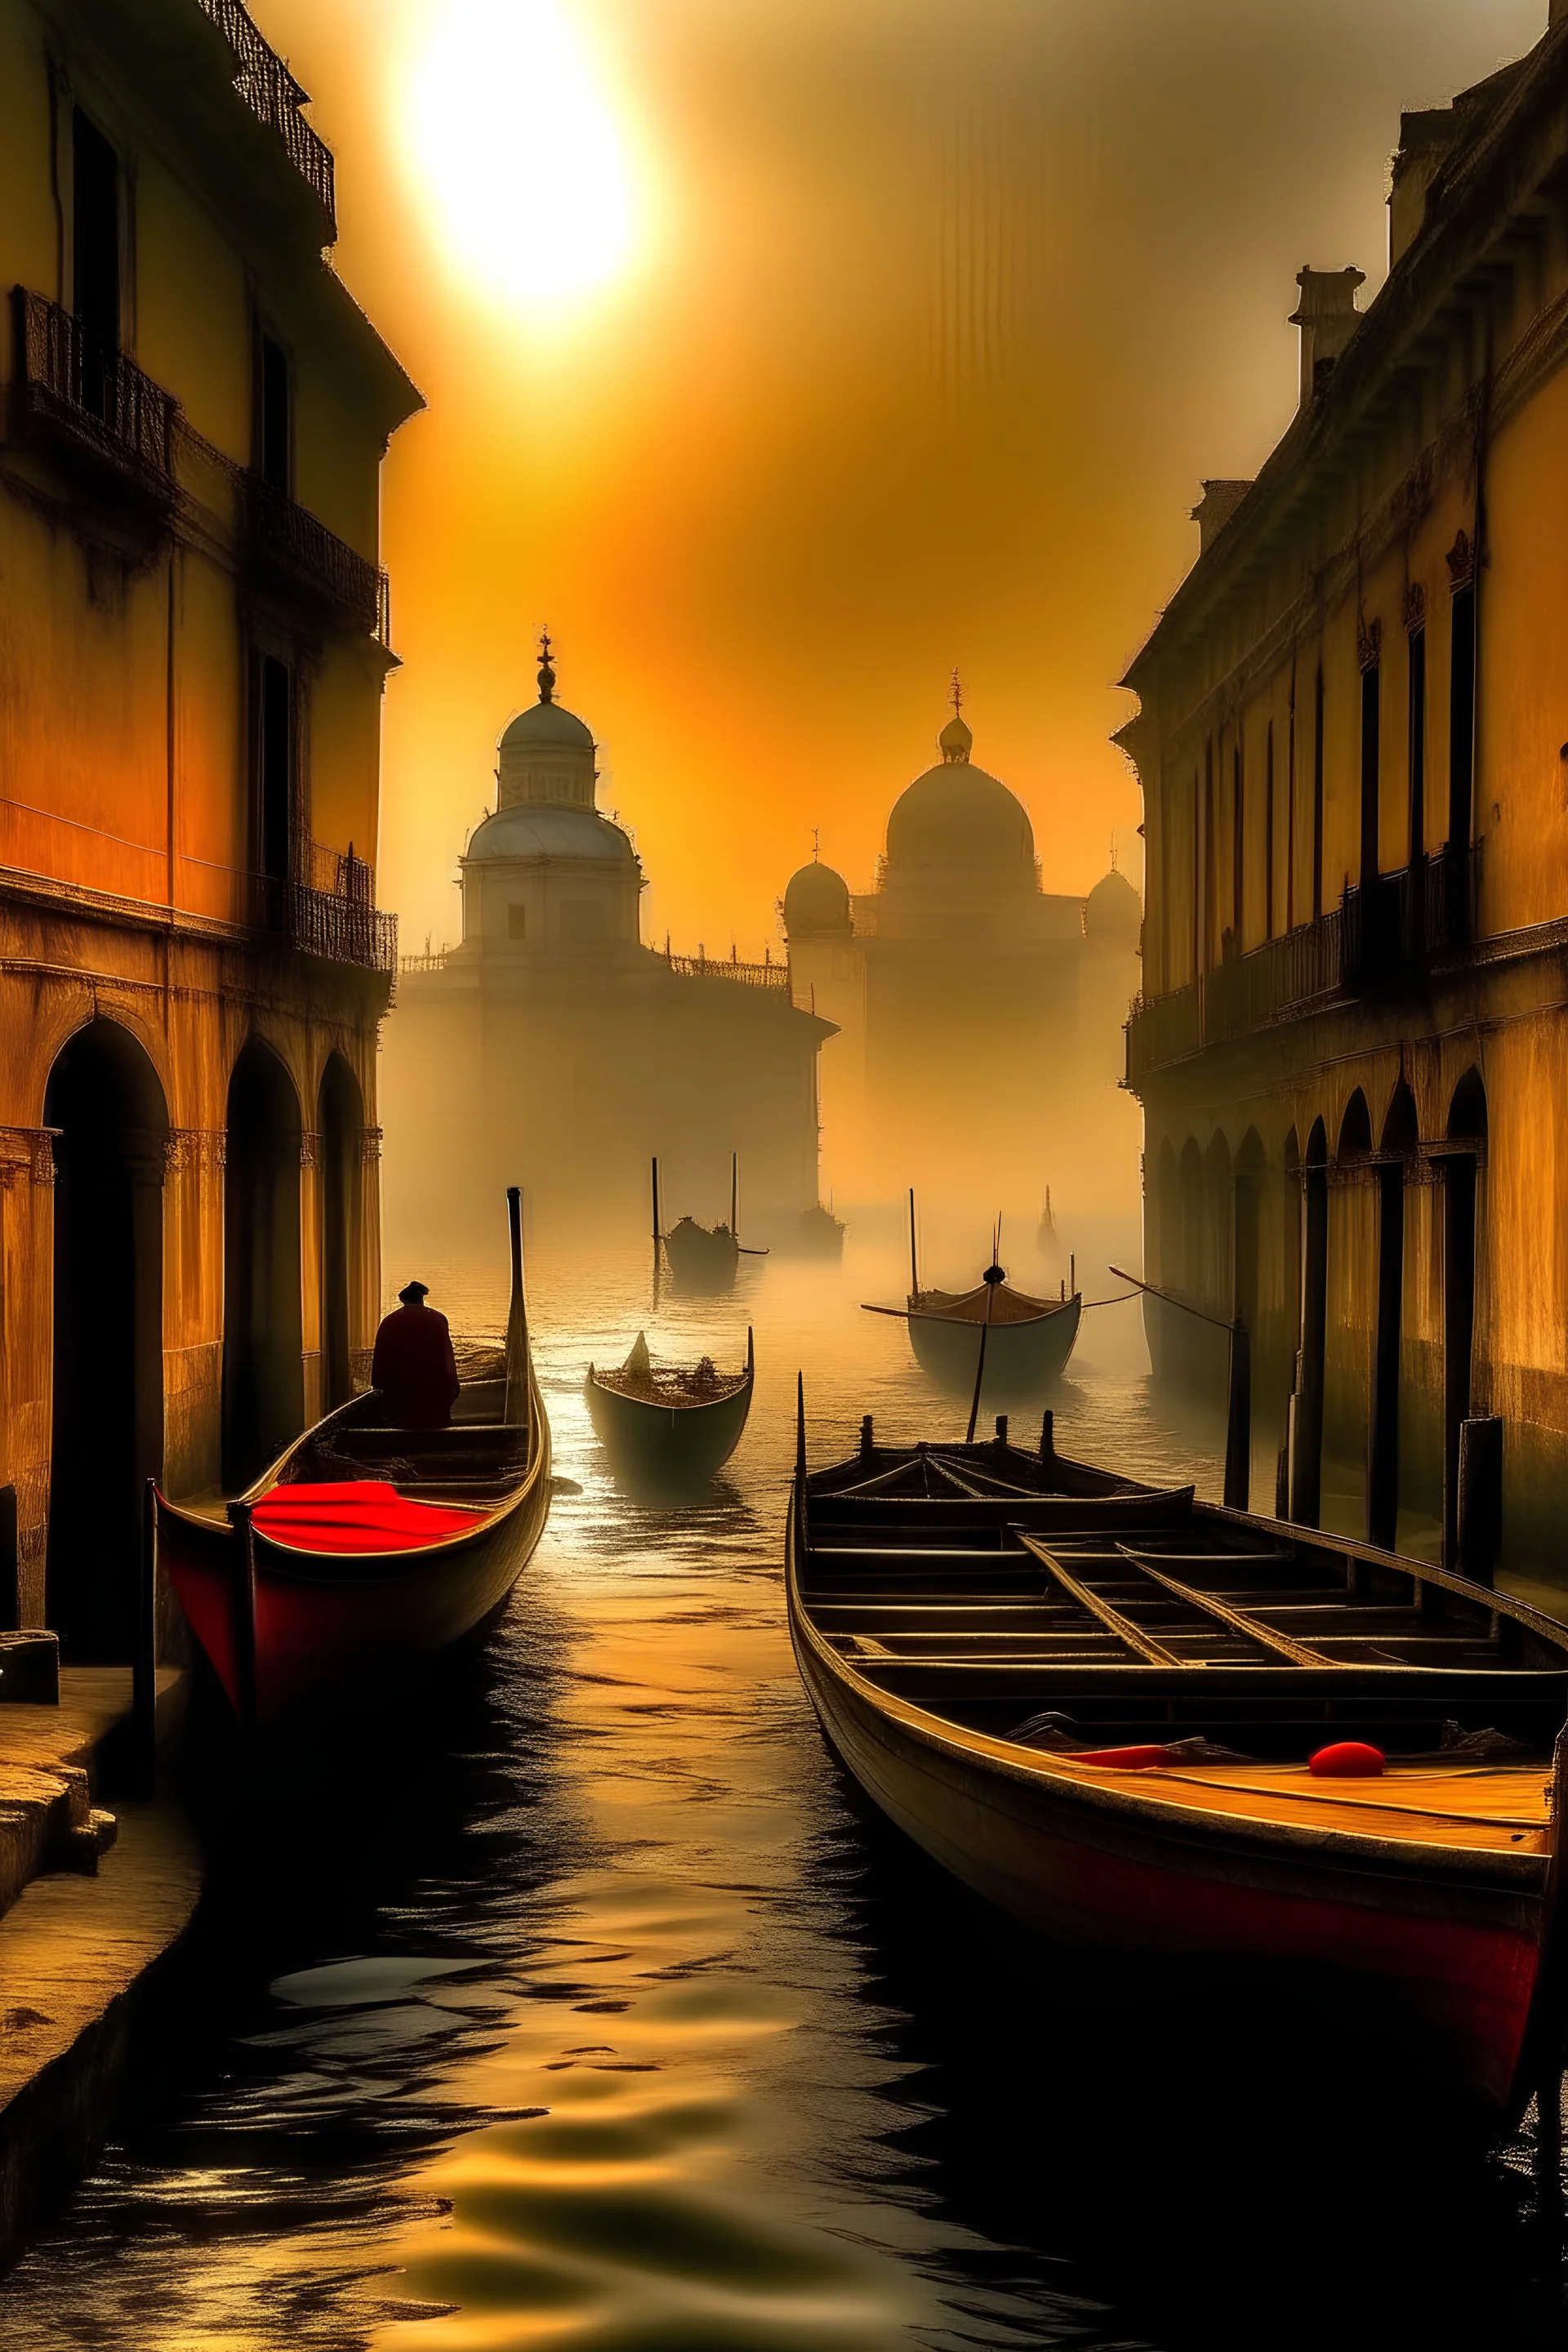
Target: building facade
{"type": "Point", "coordinates": [551, 1048]}
{"type": "Point", "coordinates": [1352, 740]}
{"type": "Point", "coordinates": [193, 644]}
{"type": "Point", "coordinates": [980, 1014]}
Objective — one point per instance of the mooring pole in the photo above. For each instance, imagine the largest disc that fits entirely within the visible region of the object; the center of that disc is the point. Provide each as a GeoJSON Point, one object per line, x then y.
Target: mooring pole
{"type": "Point", "coordinates": [914, 1267]}
{"type": "Point", "coordinates": [1238, 1419]}
{"type": "Point", "coordinates": [145, 1660]}
{"type": "Point", "coordinates": [800, 1427]}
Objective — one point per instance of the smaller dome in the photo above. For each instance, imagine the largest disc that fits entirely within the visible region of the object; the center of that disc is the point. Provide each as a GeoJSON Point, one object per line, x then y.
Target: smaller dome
{"type": "Point", "coordinates": [538, 830]}
{"type": "Point", "coordinates": [546, 726]}
{"type": "Point", "coordinates": [1113, 910]}
{"type": "Point", "coordinates": [956, 741]}
{"type": "Point", "coordinates": [815, 900]}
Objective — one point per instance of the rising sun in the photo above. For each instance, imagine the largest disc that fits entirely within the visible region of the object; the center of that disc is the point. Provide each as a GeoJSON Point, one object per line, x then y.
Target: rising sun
{"type": "Point", "coordinates": [522, 156]}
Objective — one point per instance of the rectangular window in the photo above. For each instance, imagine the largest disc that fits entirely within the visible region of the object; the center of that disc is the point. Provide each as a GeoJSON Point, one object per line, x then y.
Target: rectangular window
{"type": "Point", "coordinates": [1417, 745]}
{"type": "Point", "coordinates": [276, 765]}
{"type": "Point", "coordinates": [1318, 795]}
{"type": "Point", "coordinates": [1208, 883]}
{"type": "Point", "coordinates": [1462, 717]}
{"type": "Point", "coordinates": [516, 922]}
{"type": "Point", "coordinates": [1371, 707]}
{"type": "Point", "coordinates": [273, 416]}
{"type": "Point", "coordinates": [95, 263]}
{"type": "Point", "coordinates": [1238, 846]}
{"type": "Point", "coordinates": [1269, 833]}
{"type": "Point", "coordinates": [1290, 809]}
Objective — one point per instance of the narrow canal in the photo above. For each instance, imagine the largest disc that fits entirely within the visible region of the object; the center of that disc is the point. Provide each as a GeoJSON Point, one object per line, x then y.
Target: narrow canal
{"type": "Point", "coordinates": [594, 2013]}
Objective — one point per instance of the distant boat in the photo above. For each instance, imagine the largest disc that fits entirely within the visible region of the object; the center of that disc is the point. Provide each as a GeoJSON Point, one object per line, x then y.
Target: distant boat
{"type": "Point", "coordinates": [817, 1234]}
{"type": "Point", "coordinates": [665, 1424]}
{"type": "Point", "coordinates": [701, 1257]}
{"type": "Point", "coordinates": [1019, 1341]}
{"type": "Point", "coordinates": [1048, 1241]}
{"type": "Point", "coordinates": [1154, 1726]}
{"type": "Point", "coordinates": [366, 1549]}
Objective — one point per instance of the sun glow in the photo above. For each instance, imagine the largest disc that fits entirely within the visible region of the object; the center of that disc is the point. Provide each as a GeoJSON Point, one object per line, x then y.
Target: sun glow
{"type": "Point", "coordinates": [525, 163]}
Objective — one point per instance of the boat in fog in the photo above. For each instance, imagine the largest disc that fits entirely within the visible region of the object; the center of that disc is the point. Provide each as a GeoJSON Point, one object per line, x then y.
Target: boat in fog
{"type": "Point", "coordinates": [703, 1259]}
{"type": "Point", "coordinates": [365, 1550]}
{"type": "Point", "coordinates": [1143, 1722]}
{"type": "Point", "coordinates": [669, 1425]}
{"type": "Point", "coordinates": [1012, 1342]}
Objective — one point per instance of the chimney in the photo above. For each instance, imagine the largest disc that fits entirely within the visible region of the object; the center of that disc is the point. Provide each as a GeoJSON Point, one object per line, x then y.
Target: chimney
{"type": "Point", "coordinates": [1328, 317]}
{"type": "Point", "coordinates": [1219, 502]}
{"type": "Point", "coordinates": [1422, 141]}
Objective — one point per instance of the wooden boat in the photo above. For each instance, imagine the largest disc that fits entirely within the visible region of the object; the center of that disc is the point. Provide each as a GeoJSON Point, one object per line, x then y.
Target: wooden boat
{"type": "Point", "coordinates": [995, 1334]}
{"type": "Point", "coordinates": [703, 1259]}
{"type": "Point", "coordinates": [669, 1425]}
{"type": "Point", "coordinates": [816, 1233]}
{"type": "Point", "coordinates": [365, 1549]}
{"type": "Point", "coordinates": [1106, 1708]}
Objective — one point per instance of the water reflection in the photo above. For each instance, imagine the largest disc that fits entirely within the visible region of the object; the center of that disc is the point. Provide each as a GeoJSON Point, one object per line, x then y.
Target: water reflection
{"type": "Point", "coordinates": [593, 2012]}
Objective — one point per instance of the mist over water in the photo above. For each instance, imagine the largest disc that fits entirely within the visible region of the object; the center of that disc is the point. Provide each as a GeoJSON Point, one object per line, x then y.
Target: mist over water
{"type": "Point", "coordinates": [596, 2013]}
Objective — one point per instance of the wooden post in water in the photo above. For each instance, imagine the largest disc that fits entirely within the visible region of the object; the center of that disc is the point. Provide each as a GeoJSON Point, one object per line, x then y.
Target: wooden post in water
{"type": "Point", "coordinates": [1047, 1435]}
{"type": "Point", "coordinates": [657, 1235]}
{"type": "Point", "coordinates": [800, 1428]}
{"type": "Point", "coordinates": [144, 1659]}
{"type": "Point", "coordinates": [1001, 1429]}
{"type": "Point", "coordinates": [1238, 1419]}
{"type": "Point", "coordinates": [867, 1441]}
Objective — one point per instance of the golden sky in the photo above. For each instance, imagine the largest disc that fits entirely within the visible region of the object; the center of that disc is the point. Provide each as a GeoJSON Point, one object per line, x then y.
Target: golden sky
{"type": "Point", "coordinates": [782, 353]}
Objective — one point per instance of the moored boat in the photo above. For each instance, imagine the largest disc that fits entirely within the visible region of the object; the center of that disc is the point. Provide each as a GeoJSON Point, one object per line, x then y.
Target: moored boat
{"type": "Point", "coordinates": [993, 1336]}
{"type": "Point", "coordinates": [666, 1425]}
{"type": "Point", "coordinates": [703, 1259]}
{"type": "Point", "coordinates": [365, 1549]}
{"type": "Point", "coordinates": [1140, 1723]}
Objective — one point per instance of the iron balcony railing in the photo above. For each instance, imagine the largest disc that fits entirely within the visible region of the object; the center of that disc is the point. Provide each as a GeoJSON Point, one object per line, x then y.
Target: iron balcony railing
{"type": "Point", "coordinates": [328, 909]}
{"type": "Point", "coordinates": [289, 544]}
{"type": "Point", "coordinates": [275, 97]}
{"type": "Point", "coordinates": [84, 394]}
{"type": "Point", "coordinates": [1384, 938]}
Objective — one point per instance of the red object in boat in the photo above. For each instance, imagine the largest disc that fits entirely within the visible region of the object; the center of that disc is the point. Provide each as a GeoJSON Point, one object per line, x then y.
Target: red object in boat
{"type": "Point", "coordinates": [356, 1514]}
{"type": "Point", "coordinates": [1347, 1759]}
{"type": "Point", "coordinates": [1123, 1759]}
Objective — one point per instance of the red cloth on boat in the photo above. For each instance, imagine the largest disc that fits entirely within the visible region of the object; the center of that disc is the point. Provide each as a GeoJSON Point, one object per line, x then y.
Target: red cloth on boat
{"type": "Point", "coordinates": [356, 1514]}
{"type": "Point", "coordinates": [415, 1369]}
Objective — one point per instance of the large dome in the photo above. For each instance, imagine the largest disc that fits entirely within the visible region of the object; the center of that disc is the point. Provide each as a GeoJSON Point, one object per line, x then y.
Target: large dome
{"type": "Point", "coordinates": [546, 726]}
{"type": "Point", "coordinates": [958, 816]}
{"type": "Point", "coordinates": [815, 900]}
{"type": "Point", "coordinates": [540, 831]}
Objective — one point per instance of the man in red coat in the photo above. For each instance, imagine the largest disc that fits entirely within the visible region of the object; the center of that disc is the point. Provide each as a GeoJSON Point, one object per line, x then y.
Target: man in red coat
{"type": "Point", "coordinates": [414, 1365]}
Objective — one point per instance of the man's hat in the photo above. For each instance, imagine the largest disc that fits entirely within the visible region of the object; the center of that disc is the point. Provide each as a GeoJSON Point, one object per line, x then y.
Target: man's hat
{"type": "Point", "coordinates": [414, 1293]}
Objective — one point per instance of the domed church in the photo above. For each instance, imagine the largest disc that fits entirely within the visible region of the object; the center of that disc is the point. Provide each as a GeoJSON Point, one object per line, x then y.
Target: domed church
{"type": "Point", "coordinates": [979, 1013]}
{"type": "Point", "coordinates": [550, 1047]}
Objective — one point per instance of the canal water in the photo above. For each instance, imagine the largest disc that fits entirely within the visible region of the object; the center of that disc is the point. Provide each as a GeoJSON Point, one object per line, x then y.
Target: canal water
{"type": "Point", "coordinates": [593, 2012]}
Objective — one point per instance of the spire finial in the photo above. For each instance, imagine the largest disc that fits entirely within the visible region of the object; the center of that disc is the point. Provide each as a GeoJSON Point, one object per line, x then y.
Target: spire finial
{"type": "Point", "coordinates": [546, 673]}
{"type": "Point", "coordinates": [955, 694]}
{"type": "Point", "coordinates": [1113, 851]}
{"type": "Point", "coordinates": [815, 842]}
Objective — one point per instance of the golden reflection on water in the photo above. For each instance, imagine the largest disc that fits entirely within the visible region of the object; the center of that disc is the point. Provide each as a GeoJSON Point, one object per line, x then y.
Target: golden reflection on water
{"type": "Point", "coordinates": [624, 2038]}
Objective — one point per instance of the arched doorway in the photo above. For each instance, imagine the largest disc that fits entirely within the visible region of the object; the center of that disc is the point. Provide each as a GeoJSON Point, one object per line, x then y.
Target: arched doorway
{"type": "Point", "coordinates": [263, 1362]}
{"type": "Point", "coordinates": [1398, 1145]}
{"type": "Point", "coordinates": [1465, 1139]}
{"type": "Point", "coordinates": [1306, 1405]}
{"type": "Point", "coordinates": [105, 1102]}
{"type": "Point", "coordinates": [340, 1118]}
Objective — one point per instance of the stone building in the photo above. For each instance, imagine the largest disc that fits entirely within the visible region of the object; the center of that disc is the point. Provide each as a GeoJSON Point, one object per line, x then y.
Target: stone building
{"type": "Point", "coordinates": [550, 1047]}
{"type": "Point", "coordinates": [979, 1015]}
{"type": "Point", "coordinates": [1352, 740]}
{"type": "Point", "coordinates": [193, 647]}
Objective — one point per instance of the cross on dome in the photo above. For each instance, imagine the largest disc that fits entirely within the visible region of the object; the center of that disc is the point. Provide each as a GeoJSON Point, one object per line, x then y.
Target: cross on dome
{"type": "Point", "coordinates": [546, 673]}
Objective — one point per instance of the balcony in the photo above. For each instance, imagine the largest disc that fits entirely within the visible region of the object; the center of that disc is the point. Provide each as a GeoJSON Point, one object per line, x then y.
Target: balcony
{"type": "Point", "coordinates": [290, 552]}
{"type": "Point", "coordinates": [95, 413]}
{"type": "Point", "coordinates": [328, 910]}
{"type": "Point", "coordinates": [1384, 938]}
{"type": "Point", "coordinates": [275, 97]}
{"type": "Point", "coordinates": [766, 975]}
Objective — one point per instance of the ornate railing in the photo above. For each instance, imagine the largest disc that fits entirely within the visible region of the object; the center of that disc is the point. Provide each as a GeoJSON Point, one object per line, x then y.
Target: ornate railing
{"type": "Point", "coordinates": [1396, 926]}
{"type": "Point", "coordinates": [85, 391]}
{"type": "Point", "coordinates": [766, 975]}
{"type": "Point", "coordinates": [284, 539]}
{"type": "Point", "coordinates": [275, 97]}
{"type": "Point", "coordinates": [433, 962]}
{"type": "Point", "coordinates": [328, 909]}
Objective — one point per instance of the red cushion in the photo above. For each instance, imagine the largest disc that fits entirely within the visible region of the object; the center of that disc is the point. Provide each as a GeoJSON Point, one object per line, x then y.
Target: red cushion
{"type": "Point", "coordinates": [356, 1514]}
{"type": "Point", "coordinates": [1347, 1759]}
{"type": "Point", "coordinates": [1124, 1759]}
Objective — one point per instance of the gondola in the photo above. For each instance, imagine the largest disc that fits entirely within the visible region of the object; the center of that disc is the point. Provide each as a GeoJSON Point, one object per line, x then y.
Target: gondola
{"type": "Point", "coordinates": [1148, 1725]}
{"type": "Point", "coordinates": [703, 1259]}
{"type": "Point", "coordinates": [668, 1426]}
{"type": "Point", "coordinates": [365, 1550]}
{"type": "Point", "coordinates": [1015, 1343]}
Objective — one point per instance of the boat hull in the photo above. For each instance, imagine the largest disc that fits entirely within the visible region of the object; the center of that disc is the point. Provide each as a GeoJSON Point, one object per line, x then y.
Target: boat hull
{"type": "Point", "coordinates": [678, 1445]}
{"type": "Point", "coordinates": [1458, 1950]}
{"type": "Point", "coordinates": [1021, 1358]}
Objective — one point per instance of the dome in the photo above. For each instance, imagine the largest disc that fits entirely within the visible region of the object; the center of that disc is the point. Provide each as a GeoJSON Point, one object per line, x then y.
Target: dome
{"type": "Point", "coordinates": [546, 726]}
{"type": "Point", "coordinates": [958, 816]}
{"type": "Point", "coordinates": [817, 900]}
{"type": "Point", "coordinates": [536, 830]}
{"type": "Point", "coordinates": [1113, 910]}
